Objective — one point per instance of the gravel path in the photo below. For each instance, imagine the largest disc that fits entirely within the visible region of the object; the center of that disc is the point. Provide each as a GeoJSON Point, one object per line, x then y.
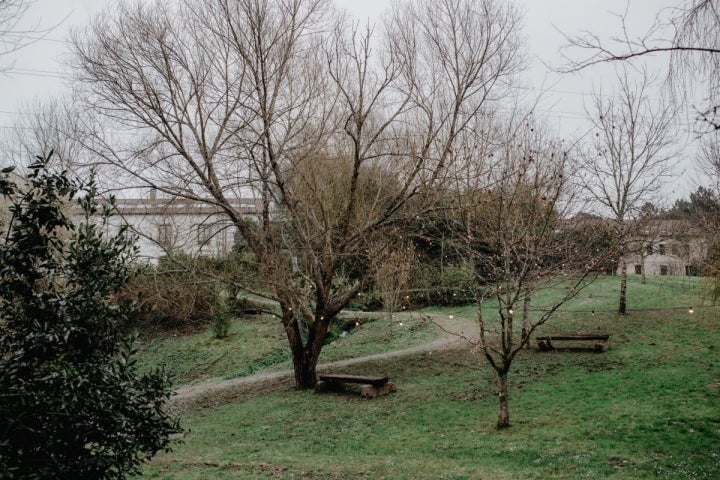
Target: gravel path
{"type": "Point", "coordinates": [455, 333]}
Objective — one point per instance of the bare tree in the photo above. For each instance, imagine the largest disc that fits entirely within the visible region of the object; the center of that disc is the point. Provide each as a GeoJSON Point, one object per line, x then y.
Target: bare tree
{"type": "Point", "coordinates": [709, 160]}
{"type": "Point", "coordinates": [48, 126]}
{"type": "Point", "coordinates": [336, 130]}
{"type": "Point", "coordinates": [627, 160]}
{"type": "Point", "coordinates": [518, 239]}
{"type": "Point", "coordinates": [688, 34]}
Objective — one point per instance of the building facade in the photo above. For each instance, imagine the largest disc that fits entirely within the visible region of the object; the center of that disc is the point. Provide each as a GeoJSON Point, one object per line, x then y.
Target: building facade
{"type": "Point", "coordinates": [172, 225]}
{"type": "Point", "coordinates": [667, 247]}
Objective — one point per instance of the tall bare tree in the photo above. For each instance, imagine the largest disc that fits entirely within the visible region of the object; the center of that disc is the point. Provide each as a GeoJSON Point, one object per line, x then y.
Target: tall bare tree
{"type": "Point", "coordinates": [689, 34]}
{"type": "Point", "coordinates": [518, 239]}
{"type": "Point", "coordinates": [290, 102]}
{"type": "Point", "coordinates": [627, 160]}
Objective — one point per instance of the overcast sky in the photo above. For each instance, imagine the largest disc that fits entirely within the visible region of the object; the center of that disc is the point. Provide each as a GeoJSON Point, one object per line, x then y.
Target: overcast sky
{"type": "Point", "coordinates": [38, 69]}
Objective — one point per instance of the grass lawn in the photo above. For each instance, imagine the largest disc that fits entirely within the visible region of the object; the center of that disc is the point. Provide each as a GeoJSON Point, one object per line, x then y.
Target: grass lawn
{"type": "Point", "coordinates": [258, 343]}
{"type": "Point", "coordinates": [647, 408]}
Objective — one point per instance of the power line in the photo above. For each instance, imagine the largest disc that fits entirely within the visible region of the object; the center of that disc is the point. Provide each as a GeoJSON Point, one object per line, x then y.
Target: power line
{"type": "Point", "coordinates": [28, 72]}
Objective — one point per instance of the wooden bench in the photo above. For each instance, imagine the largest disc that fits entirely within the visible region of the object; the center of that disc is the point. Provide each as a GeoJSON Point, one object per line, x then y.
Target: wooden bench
{"type": "Point", "coordinates": [545, 342]}
{"type": "Point", "coordinates": [370, 386]}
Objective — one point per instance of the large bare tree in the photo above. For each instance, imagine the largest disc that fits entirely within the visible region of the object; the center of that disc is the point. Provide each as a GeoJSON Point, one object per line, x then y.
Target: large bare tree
{"type": "Point", "coordinates": [336, 129]}
{"type": "Point", "coordinates": [627, 160]}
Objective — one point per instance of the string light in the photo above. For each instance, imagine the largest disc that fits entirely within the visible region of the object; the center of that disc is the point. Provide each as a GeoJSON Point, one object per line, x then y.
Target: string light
{"type": "Point", "coordinates": [690, 310]}
{"type": "Point", "coordinates": [511, 311]}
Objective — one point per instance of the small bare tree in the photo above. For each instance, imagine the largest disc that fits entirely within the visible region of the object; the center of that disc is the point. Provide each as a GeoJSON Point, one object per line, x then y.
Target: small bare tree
{"type": "Point", "coordinates": [517, 236]}
{"type": "Point", "coordinates": [627, 160]}
{"type": "Point", "coordinates": [48, 126]}
{"type": "Point", "coordinates": [286, 101]}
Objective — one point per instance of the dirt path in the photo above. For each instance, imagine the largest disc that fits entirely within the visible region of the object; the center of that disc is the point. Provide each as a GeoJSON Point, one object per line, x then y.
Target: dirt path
{"type": "Point", "coordinates": [454, 333]}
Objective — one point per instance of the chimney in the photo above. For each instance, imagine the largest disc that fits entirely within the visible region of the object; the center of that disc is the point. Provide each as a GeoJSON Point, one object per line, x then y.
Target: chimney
{"type": "Point", "coordinates": [153, 194]}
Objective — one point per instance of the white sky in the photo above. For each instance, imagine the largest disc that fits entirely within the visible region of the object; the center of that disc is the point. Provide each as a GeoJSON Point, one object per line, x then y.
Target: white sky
{"type": "Point", "coordinates": [38, 69]}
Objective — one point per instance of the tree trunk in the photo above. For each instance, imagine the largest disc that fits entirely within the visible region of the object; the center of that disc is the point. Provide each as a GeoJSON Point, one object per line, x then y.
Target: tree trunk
{"type": "Point", "coordinates": [642, 267]}
{"type": "Point", "coordinates": [623, 287]}
{"type": "Point", "coordinates": [504, 416]}
{"type": "Point", "coordinates": [526, 317]}
{"type": "Point", "coordinates": [304, 354]}
{"type": "Point", "coordinates": [305, 370]}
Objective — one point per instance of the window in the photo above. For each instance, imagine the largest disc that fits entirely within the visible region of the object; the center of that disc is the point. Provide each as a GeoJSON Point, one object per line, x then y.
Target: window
{"type": "Point", "coordinates": [674, 250]}
{"type": "Point", "coordinates": [661, 249]}
{"type": "Point", "coordinates": [222, 243]}
{"type": "Point", "coordinates": [203, 233]}
{"type": "Point", "coordinates": [164, 234]}
{"type": "Point", "coordinates": [663, 269]}
{"type": "Point", "coordinates": [638, 269]}
{"type": "Point", "coordinates": [649, 249]}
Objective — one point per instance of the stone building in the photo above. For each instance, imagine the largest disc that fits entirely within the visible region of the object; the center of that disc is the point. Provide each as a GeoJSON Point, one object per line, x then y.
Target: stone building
{"type": "Point", "coordinates": [667, 247]}
{"type": "Point", "coordinates": [174, 225]}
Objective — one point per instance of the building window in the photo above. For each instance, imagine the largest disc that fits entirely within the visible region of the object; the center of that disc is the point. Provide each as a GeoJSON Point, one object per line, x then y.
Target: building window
{"type": "Point", "coordinates": [649, 249]}
{"type": "Point", "coordinates": [638, 269]}
{"type": "Point", "coordinates": [222, 243]}
{"type": "Point", "coordinates": [663, 269]}
{"type": "Point", "coordinates": [164, 234]}
{"type": "Point", "coordinates": [661, 249]}
{"type": "Point", "coordinates": [674, 250]}
{"type": "Point", "coordinates": [203, 233]}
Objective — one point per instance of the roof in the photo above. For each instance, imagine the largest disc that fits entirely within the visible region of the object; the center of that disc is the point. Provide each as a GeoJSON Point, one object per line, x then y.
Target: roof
{"type": "Point", "coordinates": [181, 206]}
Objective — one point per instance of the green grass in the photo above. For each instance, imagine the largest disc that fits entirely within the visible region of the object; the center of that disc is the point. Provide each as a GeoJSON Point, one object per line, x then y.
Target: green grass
{"type": "Point", "coordinates": [647, 408]}
{"type": "Point", "coordinates": [258, 343]}
{"type": "Point", "coordinates": [191, 358]}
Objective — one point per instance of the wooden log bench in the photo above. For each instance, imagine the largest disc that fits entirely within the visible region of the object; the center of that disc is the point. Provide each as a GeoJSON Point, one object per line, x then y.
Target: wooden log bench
{"type": "Point", "coordinates": [370, 386]}
{"type": "Point", "coordinates": [545, 342]}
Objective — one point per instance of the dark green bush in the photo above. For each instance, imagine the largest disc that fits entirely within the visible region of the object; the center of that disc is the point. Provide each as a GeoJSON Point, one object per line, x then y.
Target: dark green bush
{"type": "Point", "coordinates": [451, 287]}
{"type": "Point", "coordinates": [72, 402]}
{"type": "Point", "coordinates": [369, 302]}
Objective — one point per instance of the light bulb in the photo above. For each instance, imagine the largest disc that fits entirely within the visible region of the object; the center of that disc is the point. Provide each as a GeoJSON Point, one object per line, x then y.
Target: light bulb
{"type": "Point", "coordinates": [690, 310]}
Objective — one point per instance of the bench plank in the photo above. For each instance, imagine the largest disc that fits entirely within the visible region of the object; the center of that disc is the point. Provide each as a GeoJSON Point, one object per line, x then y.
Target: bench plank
{"type": "Point", "coordinates": [346, 378]}
{"type": "Point", "coordinates": [603, 338]}
{"type": "Point", "coordinates": [545, 344]}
